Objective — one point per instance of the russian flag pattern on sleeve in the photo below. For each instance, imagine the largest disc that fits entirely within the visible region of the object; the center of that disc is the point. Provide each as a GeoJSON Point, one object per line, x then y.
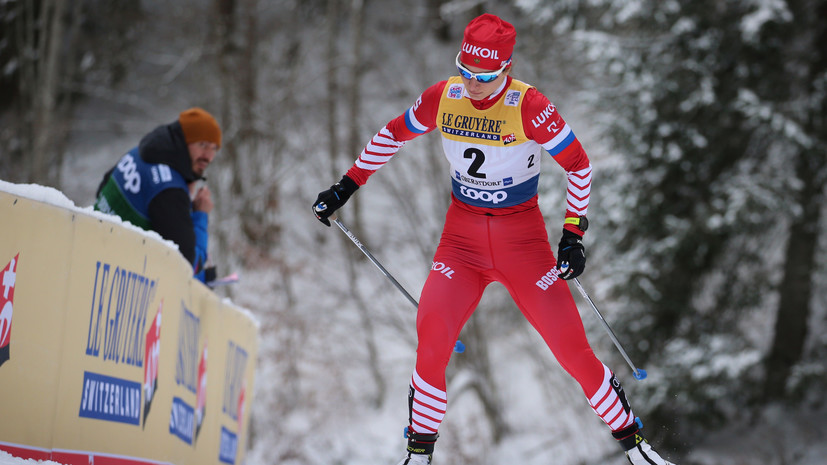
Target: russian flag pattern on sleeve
{"type": "Point", "coordinates": [610, 404]}
{"type": "Point", "coordinates": [427, 406]}
{"type": "Point", "coordinates": [378, 151]}
{"type": "Point", "coordinates": [412, 123]}
{"type": "Point", "coordinates": [417, 120]}
{"type": "Point", "coordinates": [564, 138]}
{"type": "Point", "coordinates": [579, 188]}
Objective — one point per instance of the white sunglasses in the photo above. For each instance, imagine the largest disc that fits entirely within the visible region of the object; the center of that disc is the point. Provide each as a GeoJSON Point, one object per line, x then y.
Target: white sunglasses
{"type": "Point", "coordinates": [486, 77]}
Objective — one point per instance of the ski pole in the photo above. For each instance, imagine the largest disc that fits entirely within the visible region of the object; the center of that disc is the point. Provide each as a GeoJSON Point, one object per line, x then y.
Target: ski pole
{"type": "Point", "coordinates": [459, 347]}
{"type": "Point", "coordinates": [638, 373]}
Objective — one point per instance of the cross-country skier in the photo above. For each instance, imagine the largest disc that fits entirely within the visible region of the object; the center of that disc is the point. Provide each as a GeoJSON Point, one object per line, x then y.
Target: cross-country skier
{"type": "Point", "coordinates": [495, 131]}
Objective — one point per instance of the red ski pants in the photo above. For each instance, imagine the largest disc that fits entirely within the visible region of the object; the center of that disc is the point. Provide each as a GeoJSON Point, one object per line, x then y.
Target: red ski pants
{"type": "Point", "coordinates": [514, 250]}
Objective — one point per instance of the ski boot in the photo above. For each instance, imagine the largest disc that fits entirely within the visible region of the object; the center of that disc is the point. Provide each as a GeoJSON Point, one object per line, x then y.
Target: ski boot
{"type": "Point", "coordinates": [420, 448]}
{"type": "Point", "coordinates": [638, 450]}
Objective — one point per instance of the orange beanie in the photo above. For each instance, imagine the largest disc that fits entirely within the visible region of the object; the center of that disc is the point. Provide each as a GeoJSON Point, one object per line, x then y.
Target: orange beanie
{"type": "Point", "coordinates": [198, 125]}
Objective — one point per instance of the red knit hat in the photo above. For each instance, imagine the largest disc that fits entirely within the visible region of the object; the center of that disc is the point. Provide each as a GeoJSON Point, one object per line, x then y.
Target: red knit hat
{"type": "Point", "coordinates": [198, 125]}
{"type": "Point", "coordinates": [488, 42]}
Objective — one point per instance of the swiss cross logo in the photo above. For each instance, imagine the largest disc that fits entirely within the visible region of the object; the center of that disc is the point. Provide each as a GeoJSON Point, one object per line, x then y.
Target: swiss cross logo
{"type": "Point", "coordinates": [201, 393]}
{"type": "Point", "coordinates": [151, 358]}
{"type": "Point", "coordinates": [8, 278]}
{"type": "Point", "coordinates": [240, 410]}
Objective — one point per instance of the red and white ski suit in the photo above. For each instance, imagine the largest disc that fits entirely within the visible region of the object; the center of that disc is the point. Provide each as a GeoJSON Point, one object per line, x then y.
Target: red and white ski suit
{"type": "Point", "coordinates": [494, 231]}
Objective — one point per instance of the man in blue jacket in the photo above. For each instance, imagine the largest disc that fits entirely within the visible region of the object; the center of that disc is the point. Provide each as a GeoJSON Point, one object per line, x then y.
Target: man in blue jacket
{"type": "Point", "coordinates": [153, 186]}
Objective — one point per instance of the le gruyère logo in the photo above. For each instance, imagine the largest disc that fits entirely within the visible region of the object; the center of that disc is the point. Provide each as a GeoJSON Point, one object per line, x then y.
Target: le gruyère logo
{"type": "Point", "coordinates": [118, 336]}
{"type": "Point", "coordinates": [471, 126]}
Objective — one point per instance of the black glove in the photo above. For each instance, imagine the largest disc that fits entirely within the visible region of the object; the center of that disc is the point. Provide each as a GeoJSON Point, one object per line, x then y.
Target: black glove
{"type": "Point", "coordinates": [332, 199]}
{"type": "Point", "coordinates": [571, 256]}
{"type": "Point", "coordinates": [210, 274]}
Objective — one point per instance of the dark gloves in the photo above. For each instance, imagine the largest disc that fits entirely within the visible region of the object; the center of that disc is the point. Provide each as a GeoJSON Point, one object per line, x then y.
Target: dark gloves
{"type": "Point", "coordinates": [210, 274]}
{"type": "Point", "coordinates": [332, 199]}
{"type": "Point", "coordinates": [571, 256]}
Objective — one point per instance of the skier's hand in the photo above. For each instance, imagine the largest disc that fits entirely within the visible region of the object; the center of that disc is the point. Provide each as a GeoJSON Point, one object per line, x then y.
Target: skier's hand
{"type": "Point", "coordinates": [332, 199]}
{"type": "Point", "coordinates": [571, 255]}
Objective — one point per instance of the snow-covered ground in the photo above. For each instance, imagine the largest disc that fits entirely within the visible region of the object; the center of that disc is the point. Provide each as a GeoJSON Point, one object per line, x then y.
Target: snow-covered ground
{"type": "Point", "coordinates": [8, 459]}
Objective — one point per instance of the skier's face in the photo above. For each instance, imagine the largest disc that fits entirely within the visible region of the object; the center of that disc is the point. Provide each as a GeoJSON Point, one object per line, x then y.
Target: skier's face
{"type": "Point", "coordinates": [481, 90]}
{"type": "Point", "coordinates": [202, 154]}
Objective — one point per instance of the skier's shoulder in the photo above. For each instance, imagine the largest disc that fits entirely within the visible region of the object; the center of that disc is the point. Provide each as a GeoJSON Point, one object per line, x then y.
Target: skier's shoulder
{"type": "Point", "coordinates": [535, 100]}
{"type": "Point", "coordinates": [433, 93]}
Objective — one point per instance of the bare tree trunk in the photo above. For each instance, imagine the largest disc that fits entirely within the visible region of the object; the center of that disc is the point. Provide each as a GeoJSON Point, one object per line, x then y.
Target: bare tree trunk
{"type": "Point", "coordinates": [227, 11]}
{"type": "Point", "coordinates": [439, 27]}
{"type": "Point", "coordinates": [796, 290]}
{"type": "Point", "coordinates": [230, 199]}
{"type": "Point", "coordinates": [333, 87]}
{"type": "Point", "coordinates": [27, 18]}
{"type": "Point", "coordinates": [45, 70]}
{"type": "Point", "coordinates": [357, 14]}
{"type": "Point", "coordinates": [253, 193]}
{"type": "Point", "coordinates": [808, 54]}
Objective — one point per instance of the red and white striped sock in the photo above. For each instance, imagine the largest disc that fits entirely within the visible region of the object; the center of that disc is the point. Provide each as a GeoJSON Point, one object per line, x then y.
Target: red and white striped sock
{"type": "Point", "coordinates": [427, 405]}
{"type": "Point", "coordinates": [610, 404]}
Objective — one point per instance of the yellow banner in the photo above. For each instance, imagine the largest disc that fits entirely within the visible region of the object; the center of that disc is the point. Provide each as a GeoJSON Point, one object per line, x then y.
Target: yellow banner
{"type": "Point", "coordinates": [109, 348]}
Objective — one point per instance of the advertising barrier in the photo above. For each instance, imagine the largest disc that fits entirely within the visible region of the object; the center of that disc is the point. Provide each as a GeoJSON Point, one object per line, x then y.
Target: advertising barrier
{"type": "Point", "coordinates": [110, 352]}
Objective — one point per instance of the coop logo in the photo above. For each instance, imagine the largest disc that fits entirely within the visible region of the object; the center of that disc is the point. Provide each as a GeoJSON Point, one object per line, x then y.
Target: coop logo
{"type": "Point", "coordinates": [493, 197]}
{"type": "Point", "coordinates": [129, 171]}
{"type": "Point", "coordinates": [8, 278]}
{"type": "Point", "coordinates": [118, 335]}
{"type": "Point", "coordinates": [548, 279]}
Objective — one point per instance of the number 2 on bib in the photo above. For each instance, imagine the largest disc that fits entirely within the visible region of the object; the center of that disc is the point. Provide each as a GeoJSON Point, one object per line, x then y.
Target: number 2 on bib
{"type": "Point", "coordinates": [478, 159]}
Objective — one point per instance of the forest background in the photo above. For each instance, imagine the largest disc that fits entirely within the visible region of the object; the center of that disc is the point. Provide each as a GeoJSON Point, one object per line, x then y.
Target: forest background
{"type": "Point", "coordinates": [705, 123]}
